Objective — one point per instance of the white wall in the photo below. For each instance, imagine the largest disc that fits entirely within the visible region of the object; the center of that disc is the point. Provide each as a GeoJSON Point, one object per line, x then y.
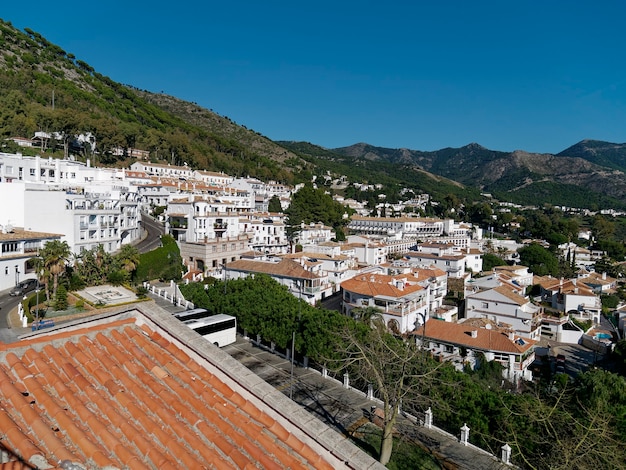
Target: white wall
{"type": "Point", "coordinates": [12, 204]}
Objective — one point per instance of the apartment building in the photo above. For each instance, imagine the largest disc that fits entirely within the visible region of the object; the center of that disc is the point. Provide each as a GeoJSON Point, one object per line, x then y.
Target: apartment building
{"type": "Point", "coordinates": [418, 228]}
{"type": "Point", "coordinates": [87, 206]}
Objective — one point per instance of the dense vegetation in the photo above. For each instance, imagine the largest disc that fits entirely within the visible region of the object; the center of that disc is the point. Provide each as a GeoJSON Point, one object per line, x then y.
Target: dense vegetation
{"type": "Point", "coordinates": [311, 205]}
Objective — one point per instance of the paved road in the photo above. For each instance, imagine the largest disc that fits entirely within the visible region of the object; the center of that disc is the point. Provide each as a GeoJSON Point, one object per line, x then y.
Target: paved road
{"type": "Point", "coordinates": [8, 332]}
{"type": "Point", "coordinates": [154, 231]}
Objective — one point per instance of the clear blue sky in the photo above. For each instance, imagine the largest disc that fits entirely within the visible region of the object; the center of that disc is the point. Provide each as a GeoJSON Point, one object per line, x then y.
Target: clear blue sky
{"type": "Point", "coordinates": [533, 75]}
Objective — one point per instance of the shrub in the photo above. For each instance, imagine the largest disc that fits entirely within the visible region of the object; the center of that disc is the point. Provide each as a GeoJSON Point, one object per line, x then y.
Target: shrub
{"type": "Point", "coordinates": [60, 300]}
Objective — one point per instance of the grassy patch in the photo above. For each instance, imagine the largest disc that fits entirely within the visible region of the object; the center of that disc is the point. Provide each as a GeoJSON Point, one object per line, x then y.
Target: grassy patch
{"type": "Point", "coordinates": [163, 263]}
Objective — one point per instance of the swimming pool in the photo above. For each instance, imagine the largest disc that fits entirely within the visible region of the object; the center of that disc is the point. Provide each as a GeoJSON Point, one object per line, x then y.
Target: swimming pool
{"type": "Point", "coordinates": [603, 336]}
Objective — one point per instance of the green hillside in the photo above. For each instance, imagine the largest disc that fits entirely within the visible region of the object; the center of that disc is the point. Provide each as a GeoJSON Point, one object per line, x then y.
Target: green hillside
{"type": "Point", "coordinates": [44, 88]}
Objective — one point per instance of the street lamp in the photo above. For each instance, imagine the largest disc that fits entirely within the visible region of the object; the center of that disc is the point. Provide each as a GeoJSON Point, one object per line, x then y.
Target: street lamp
{"type": "Point", "coordinates": [37, 308]}
{"type": "Point", "coordinates": [293, 341]}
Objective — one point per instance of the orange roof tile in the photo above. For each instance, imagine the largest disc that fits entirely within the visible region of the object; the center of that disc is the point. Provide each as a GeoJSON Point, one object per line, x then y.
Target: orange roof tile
{"type": "Point", "coordinates": [486, 339]}
{"type": "Point", "coordinates": [130, 393]}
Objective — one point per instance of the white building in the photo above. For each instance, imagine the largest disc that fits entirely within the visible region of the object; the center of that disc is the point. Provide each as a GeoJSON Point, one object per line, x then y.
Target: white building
{"type": "Point", "coordinates": [313, 234]}
{"type": "Point", "coordinates": [571, 296]}
{"type": "Point", "coordinates": [466, 344]}
{"type": "Point", "coordinates": [420, 228]}
{"type": "Point", "coordinates": [304, 280]}
{"type": "Point", "coordinates": [88, 206]}
{"type": "Point", "coordinates": [402, 301]}
{"type": "Point", "coordinates": [453, 265]}
{"type": "Point", "coordinates": [337, 267]}
{"type": "Point", "coordinates": [159, 169]}
{"type": "Point", "coordinates": [368, 252]}
{"type": "Point", "coordinates": [505, 306]}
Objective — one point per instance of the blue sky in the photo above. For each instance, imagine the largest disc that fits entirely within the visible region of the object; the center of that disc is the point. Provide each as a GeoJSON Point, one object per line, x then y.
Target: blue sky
{"type": "Point", "coordinates": [536, 76]}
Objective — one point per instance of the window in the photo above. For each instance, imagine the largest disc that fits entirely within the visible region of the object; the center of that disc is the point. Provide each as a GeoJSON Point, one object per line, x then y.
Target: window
{"type": "Point", "coordinates": [9, 247]}
{"type": "Point", "coordinates": [448, 348]}
{"type": "Point", "coordinates": [485, 305]}
{"type": "Point", "coordinates": [31, 172]}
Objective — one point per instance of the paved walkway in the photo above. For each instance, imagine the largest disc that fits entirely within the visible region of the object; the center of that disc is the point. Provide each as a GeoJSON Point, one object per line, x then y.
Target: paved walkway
{"type": "Point", "coordinates": [345, 409]}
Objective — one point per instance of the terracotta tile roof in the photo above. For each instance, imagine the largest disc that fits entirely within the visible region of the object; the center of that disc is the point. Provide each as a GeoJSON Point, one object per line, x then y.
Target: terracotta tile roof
{"type": "Point", "coordinates": [419, 254]}
{"type": "Point", "coordinates": [137, 389]}
{"type": "Point", "coordinates": [284, 268]}
{"type": "Point", "coordinates": [422, 274]}
{"type": "Point", "coordinates": [373, 285]}
{"type": "Point", "coordinates": [566, 286]}
{"type": "Point", "coordinates": [486, 339]}
{"type": "Point", "coordinates": [21, 234]}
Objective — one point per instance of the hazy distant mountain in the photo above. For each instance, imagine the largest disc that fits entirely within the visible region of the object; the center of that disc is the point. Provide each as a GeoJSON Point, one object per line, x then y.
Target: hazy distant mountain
{"type": "Point", "coordinates": [582, 174]}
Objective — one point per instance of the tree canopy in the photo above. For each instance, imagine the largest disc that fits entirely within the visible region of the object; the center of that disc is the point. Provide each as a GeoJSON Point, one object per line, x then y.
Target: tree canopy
{"type": "Point", "coordinates": [540, 261]}
{"type": "Point", "coordinates": [312, 205]}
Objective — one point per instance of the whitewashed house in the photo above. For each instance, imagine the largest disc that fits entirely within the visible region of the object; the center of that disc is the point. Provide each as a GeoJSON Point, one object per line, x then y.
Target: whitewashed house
{"type": "Point", "coordinates": [467, 344]}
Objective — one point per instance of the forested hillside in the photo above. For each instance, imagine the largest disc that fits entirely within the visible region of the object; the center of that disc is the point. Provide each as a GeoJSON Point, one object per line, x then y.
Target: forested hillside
{"type": "Point", "coordinates": [44, 88]}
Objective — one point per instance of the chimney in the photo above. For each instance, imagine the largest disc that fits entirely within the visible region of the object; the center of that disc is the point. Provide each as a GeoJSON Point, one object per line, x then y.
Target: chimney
{"type": "Point", "coordinates": [511, 336]}
{"type": "Point", "coordinates": [474, 333]}
{"type": "Point", "coordinates": [604, 276]}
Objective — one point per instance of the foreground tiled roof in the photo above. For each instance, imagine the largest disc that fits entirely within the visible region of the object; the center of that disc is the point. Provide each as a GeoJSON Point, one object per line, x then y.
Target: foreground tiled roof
{"type": "Point", "coordinates": [140, 390]}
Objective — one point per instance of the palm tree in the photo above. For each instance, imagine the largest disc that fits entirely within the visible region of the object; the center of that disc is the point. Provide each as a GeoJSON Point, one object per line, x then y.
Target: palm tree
{"type": "Point", "coordinates": [43, 275]}
{"type": "Point", "coordinates": [54, 255]}
{"type": "Point", "coordinates": [128, 258]}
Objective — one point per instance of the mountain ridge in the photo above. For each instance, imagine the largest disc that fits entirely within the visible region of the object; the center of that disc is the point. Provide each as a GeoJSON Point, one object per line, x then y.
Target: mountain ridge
{"type": "Point", "coordinates": [505, 172]}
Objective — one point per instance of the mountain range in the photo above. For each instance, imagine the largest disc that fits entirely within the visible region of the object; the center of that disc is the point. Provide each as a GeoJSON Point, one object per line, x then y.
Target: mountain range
{"type": "Point", "coordinates": [44, 88]}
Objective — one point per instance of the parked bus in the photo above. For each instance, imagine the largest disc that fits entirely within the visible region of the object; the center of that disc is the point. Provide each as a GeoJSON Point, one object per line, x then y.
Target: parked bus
{"type": "Point", "coordinates": [193, 314]}
{"type": "Point", "coordinates": [219, 329]}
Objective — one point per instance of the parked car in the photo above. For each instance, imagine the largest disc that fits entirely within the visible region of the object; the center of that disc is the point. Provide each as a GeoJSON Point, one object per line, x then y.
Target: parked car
{"type": "Point", "coordinates": [24, 287]}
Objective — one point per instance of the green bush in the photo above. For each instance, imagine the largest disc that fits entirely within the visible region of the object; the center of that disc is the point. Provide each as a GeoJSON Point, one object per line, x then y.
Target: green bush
{"type": "Point", "coordinates": [60, 300]}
